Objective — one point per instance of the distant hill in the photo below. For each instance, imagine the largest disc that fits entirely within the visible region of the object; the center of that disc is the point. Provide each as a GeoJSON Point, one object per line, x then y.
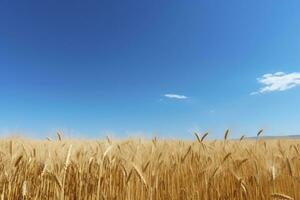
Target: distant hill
{"type": "Point", "coordinates": [276, 137]}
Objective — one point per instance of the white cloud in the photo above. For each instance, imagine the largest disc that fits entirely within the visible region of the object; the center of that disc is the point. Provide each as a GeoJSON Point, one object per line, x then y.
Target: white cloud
{"type": "Point", "coordinates": [278, 81]}
{"type": "Point", "coordinates": [175, 96]}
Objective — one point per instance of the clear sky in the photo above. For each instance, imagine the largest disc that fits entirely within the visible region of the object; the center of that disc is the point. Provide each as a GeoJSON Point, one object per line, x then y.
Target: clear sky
{"type": "Point", "coordinates": [159, 67]}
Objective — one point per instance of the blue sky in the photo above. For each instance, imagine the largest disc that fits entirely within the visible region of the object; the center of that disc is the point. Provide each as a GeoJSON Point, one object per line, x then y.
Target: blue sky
{"type": "Point", "coordinates": [163, 68]}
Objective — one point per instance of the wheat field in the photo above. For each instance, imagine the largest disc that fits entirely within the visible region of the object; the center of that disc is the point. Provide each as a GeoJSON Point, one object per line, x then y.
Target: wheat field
{"type": "Point", "coordinates": [149, 169]}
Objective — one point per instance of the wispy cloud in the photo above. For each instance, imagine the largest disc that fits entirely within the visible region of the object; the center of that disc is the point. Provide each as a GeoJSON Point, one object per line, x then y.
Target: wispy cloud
{"type": "Point", "coordinates": [175, 96]}
{"type": "Point", "coordinates": [278, 81]}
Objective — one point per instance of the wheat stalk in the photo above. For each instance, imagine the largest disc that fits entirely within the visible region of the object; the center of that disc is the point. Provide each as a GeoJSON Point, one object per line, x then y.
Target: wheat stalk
{"type": "Point", "coordinates": [18, 160]}
{"type": "Point", "coordinates": [226, 134]}
{"type": "Point", "coordinates": [185, 155]}
{"type": "Point", "coordinates": [273, 172]}
{"type": "Point", "coordinates": [59, 135]}
{"type": "Point", "coordinates": [140, 175]}
{"type": "Point", "coordinates": [204, 136]}
{"type": "Point", "coordinates": [67, 161]}
{"type": "Point", "coordinates": [281, 196]}
{"type": "Point", "coordinates": [241, 138]}
{"type": "Point", "coordinates": [24, 190]}
{"type": "Point", "coordinates": [259, 132]}
{"type": "Point", "coordinates": [3, 192]}
{"type": "Point", "coordinates": [197, 136]}
{"type": "Point", "coordinates": [11, 148]}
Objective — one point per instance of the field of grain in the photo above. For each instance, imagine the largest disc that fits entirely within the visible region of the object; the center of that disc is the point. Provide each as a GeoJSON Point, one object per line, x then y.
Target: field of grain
{"type": "Point", "coordinates": [149, 169]}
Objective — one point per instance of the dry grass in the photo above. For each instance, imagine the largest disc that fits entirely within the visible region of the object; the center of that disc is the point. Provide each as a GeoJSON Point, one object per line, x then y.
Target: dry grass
{"type": "Point", "coordinates": [154, 169]}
